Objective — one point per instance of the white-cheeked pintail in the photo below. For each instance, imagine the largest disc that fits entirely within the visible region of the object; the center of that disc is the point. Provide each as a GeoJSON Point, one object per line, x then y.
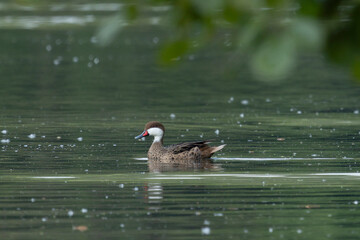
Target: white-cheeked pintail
{"type": "Point", "coordinates": [187, 151]}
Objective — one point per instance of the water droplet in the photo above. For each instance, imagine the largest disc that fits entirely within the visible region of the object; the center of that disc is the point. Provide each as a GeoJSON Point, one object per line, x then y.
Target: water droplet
{"type": "Point", "coordinates": [57, 60]}
{"type": "Point", "coordinates": [32, 136]}
{"type": "Point", "coordinates": [271, 230]}
{"type": "Point", "coordinates": [155, 40]}
{"type": "Point", "coordinates": [4, 131]}
{"type": "Point", "coordinates": [217, 131]}
{"type": "Point", "coordinates": [75, 59]}
{"type": "Point", "coordinates": [231, 100]}
{"type": "Point", "coordinates": [48, 47]}
{"type": "Point", "coordinates": [244, 102]}
{"type": "Point", "coordinates": [93, 39]}
{"type": "Point", "coordinates": [80, 139]}
{"type": "Point", "coordinates": [172, 116]}
{"type": "Point", "coordinates": [5, 140]}
{"type": "Point", "coordinates": [205, 230]}
{"type": "Point", "coordinates": [70, 213]}
{"type": "Point", "coordinates": [84, 210]}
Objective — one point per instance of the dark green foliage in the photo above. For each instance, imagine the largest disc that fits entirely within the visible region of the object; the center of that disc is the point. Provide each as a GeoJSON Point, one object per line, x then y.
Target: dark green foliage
{"type": "Point", "coordinates": [273, 32]}
{"type": "Point", "coordinates": [172, 51]}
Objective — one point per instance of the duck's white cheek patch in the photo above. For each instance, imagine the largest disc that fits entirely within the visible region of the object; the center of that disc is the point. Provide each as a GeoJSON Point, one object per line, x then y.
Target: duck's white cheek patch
{"type": "Point", "coordinates": [157, 133]}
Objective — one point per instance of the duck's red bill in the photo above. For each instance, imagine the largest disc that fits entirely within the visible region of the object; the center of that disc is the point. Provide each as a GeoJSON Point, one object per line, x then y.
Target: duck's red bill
{"type": "Point", "coordinates": [143, 134]}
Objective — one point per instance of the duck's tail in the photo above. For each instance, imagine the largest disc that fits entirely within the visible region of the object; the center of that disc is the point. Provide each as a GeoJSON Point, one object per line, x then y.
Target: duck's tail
{"type": "Point", "coordinates": [207, 151]}
{"type": "Point", "coordinates": [218, 148]}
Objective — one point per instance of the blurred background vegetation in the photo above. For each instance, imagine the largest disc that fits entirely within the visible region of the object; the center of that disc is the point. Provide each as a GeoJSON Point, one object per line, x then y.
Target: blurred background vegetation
{"type": "Point", "coordinates": [271, 34]}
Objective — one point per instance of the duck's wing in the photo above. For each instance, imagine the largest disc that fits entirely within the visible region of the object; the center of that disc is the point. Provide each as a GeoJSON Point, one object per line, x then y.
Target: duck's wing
{"type": "Point", "coordinates": [187, 146]}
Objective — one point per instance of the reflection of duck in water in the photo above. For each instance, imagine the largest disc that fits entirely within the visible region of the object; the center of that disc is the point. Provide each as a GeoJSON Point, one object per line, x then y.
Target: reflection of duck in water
{"type": "Point", "coordinates": [179, 154]}
{"type": "Point", "coordinates": [184, 165]}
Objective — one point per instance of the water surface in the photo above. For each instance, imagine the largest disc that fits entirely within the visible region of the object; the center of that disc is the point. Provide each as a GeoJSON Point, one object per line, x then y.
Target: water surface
{"type": "Point", "coordinates": [70, 167]}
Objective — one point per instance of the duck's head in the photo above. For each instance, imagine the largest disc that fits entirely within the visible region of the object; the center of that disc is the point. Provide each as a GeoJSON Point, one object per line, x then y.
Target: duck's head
{"type": "Point", "coordinates": [155, 129]}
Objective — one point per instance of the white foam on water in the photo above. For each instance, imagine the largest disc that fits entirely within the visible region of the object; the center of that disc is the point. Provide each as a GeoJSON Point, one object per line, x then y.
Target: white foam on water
{"type": "Point", "coordinates": [272, 159]}
{"type": "Point", "coordinates": [32, 22]}
{"type": "Point", "coordinates": [53, 177]}
{"type": "Point", "coordinates": [177, 177]}
{"type": "Point", "coordinates": [336, 174]}
{"type": "Point", "coordinates": [258, 159]}
{"type": "Point", "coordinates": [88, 7]}
{"type": "Point", "coordinates": [240, 175]}
{"type": "Point", "coordinates": [98, 7]}
{"type": "Point", "coordinates": [155, 197]}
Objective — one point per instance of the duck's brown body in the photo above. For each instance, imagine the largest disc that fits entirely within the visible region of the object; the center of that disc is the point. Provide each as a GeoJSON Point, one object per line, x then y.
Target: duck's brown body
{"type": "Point", "coordinates": [178, 153]}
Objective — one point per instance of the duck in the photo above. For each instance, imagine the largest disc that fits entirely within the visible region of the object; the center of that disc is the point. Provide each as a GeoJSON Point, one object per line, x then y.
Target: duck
{"type": "Point", "coordinates": [178, 153]}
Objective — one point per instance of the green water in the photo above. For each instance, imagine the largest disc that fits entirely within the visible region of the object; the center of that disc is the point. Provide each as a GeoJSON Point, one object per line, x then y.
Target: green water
{"type": "Point", "coordinates": [69, 161]}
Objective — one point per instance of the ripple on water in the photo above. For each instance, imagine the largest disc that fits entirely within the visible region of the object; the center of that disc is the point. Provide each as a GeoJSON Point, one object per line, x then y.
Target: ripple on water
{"type": "Point", "coordinates": [53, 177]}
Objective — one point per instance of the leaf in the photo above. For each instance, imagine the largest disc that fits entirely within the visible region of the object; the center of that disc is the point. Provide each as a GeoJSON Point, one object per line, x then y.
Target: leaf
{"type": "Point", "coordinates": [173, 51]}
{"type": "Point", "coordinates": [308, 33]}
{"type": "Point", "coordinates": [275, 3]}
{"type": "Point", "coordinates": [274, 58]}
{"type": "Point", "coordinates": [338, 47]}
{"type": "Point", "coordinates": [309, 7]}
{"type": "Point", "coordinates": [249, 33]}
{"type": "Point", "coordinates": [109, 28]}
{"type": "Point", "coordinates": [208, 7]}
{"type": "Point", "coordinates": [132, 12]}
{"type": "Point", "coordinates": [231, 13]}
{"type": "Point", "coordinates": [356, 68]}
{"type": "Point", "coordinates": [246, 5]}
{"type": "Point", "coordinates": [342, 45]}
